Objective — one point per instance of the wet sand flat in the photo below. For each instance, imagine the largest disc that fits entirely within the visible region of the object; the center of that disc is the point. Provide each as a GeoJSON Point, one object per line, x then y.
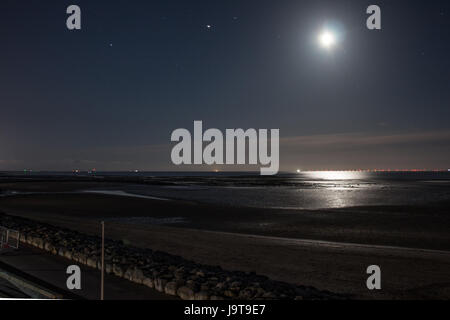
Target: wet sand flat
{"type": "Point", "coordinates": [409, 226]}
{"type": "Point", "coordinates": [248, 239]}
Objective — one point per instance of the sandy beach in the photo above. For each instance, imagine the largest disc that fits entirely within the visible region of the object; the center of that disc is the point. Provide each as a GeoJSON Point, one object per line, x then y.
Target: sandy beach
{"type": "Point", "coordinates": [327, 249]}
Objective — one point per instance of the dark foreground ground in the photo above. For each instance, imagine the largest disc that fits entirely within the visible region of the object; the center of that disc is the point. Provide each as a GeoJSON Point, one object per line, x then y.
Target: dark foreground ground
{"type": "Point", "coordinates": [51, 271]}
{"type": "Point", "coordinates": [270, 242]}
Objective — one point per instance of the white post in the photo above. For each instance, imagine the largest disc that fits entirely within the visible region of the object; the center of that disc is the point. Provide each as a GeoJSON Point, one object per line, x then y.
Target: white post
{"type": "Point", "coordinates": [102, 292]}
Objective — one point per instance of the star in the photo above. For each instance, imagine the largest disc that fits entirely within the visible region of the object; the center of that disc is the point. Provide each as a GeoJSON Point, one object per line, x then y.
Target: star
{"type": "Point", "coordinates": [208, 26]}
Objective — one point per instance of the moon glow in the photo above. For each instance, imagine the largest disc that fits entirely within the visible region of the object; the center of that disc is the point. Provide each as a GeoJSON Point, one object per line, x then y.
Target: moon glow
{"type": "Point", "coordinates": [327, 39]}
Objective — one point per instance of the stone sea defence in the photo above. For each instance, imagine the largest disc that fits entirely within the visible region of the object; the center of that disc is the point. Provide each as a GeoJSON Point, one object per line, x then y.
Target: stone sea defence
{"type": "Point", "coordinates": [161, 271]}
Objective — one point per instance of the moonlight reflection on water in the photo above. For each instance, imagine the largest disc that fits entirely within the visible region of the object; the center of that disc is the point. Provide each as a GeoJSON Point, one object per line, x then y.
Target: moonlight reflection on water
{"type": "Point", "coordinates": [336, 175]}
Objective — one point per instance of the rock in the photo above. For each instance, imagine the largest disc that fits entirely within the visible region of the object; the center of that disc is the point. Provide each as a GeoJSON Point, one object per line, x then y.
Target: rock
{"type": "Point", "coordinates": [200, 273]}
{"type": "Point", "coordinates": [269, 295]}
{"type": "Point", "coordinates": [216, 298]}
{"type": "Point", "coordinates": [171, 288]}
{"type": "Point", "coordinates": [204, 287]}
{"type": "Point", "coordinates": [172, 268]}
{"type": "Point", "coordinates": [128, 274]}
{"type": "Point", "coordinates": [160, 284]}
{"type": "Point", "coordinates": [68, 254]}
{"type": "Point", "coordinates": [229, 294]}
{"type": "Point", "coordinates": [134, 274]}
{"type": "Point", "coordinates": [180, 282]}
{"type": "Point", "coordinates": [192, 285]}
{"type": "Point", "coordinates": [117, 270]}
{"type": "Point", "coordinates": [48, 246]}
{"type": "Point", "coordinates": [246, 294]}
{"type": "Point", "coordinates": [259, 292]}
{"type": "Point", "coordinates": [74, 256]}
{"type": "Point", "coordinates": [91, 262]}
{"type": "Point", "coordinates": [35, 241]}
{"type": "Point", "coordinates": [82, 258]}
{"type": "Point", "coordinates": [155, 273]}
{"type": "Point", "coordinates": [193, 277]}
{"type": "Point", "coordinates": [202, 295]}
{"type": "Point", "coordinates": [148, 282]}
{"type": "Point", "coordinates": [138, 276]}
{"type": "Point", "coordinates": [186, 293]}
{"type": "Point", "coordinates": [221, 285]}
{"type": "Point", "coordinates": [235, 289]}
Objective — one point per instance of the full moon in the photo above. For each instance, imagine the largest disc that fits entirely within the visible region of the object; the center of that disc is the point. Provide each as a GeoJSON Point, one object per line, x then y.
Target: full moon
{"type": "Point", "coordinates": [327, 39]}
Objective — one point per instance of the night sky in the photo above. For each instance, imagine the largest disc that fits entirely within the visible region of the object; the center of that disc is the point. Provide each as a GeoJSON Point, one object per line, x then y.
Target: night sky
{"type": "Point", "coordinates": [110, 95]}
